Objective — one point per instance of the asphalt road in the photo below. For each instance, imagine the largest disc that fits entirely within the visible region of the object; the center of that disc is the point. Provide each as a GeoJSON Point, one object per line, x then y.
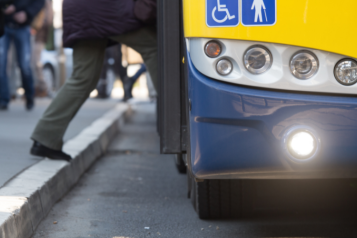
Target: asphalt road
{"type": "Point", "coordinates": [17, 124]}
{"type": "Point", "coordinates": [135, 192]}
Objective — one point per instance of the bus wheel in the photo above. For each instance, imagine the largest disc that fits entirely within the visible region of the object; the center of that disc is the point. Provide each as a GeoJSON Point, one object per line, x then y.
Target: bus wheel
{"type": "Point", "coordinates": [214, 199]}
{"type": "Point", "coordinates": [180, 163]}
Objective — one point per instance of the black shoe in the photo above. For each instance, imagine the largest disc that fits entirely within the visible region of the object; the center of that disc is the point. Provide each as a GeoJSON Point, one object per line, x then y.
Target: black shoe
{"type": "Point", "coordinates": [30, 104]}
{"type": "Point", "coordinates": [3, 107]}
{"type": "Point", "coordinates": [43, 151]}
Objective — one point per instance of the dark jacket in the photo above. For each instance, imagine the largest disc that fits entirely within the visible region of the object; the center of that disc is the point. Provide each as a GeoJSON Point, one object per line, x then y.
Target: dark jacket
{"type": "Point", "coordinates": [97, 19]}
{"type": "Point", "coordinates": [31, 7]}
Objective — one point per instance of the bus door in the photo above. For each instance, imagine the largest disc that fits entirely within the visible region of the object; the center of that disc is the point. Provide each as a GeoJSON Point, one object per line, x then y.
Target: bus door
{"type": "Point", "coordinates": [172, 100]}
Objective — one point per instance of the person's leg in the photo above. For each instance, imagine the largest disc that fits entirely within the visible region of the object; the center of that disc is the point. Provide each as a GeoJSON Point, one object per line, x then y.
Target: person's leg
{"type": "Point", "coordinates": [143, 41]}
{"type": "Point", "coordinates": [129, 82]}
{"type": "Point", "coordinates": [4, 83]}
{"type": "Point", "coordinates": [122, 71]}
{"type": "Point", "coordinates": [22, 40]}
{"type": "Point", "coordinates": [139, 73]}
{"type": "Point", "coordinates": [88, 59]}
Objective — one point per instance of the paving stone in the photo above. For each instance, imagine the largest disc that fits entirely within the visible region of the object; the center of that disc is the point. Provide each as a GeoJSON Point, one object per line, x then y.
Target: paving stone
{"type": "Point", "coordinates": [36, 214]}
{"type": "Point", "coordinates": [96, 149]}
{"type": "Point", "coordinates": [88, 157]}
{"type": "Point", "coordinates": [11, 206]}
{"type": "Point", "coordinates": [47, 200]}
{"type": "Point", "coordinates": [77, 167]}
{"type": "Point", "coordinates": [24, 221]}
{"type": "Point", "coordinates": [8, 228]}
{"type": "Point", "coordinates": [104, 141]}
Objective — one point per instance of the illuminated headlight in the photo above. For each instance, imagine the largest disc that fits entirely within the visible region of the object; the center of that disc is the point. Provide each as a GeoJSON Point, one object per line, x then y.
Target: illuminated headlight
{"type": "Point", "coordinates": [346, 72]}
{"type": "Point", "coordinates": [304, 65]}
{"type": "Point", "coordinates": [213, 49]}
{"type": "Point", "coordinates": [224, 67]}
{"type": "Point", "coordinates": [257, 59]}
{"type": "Point", "coordinates": [302, 144]}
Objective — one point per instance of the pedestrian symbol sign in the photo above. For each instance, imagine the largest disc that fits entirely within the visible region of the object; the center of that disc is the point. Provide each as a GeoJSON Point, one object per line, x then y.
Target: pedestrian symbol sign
{"type": "Point", "coordinates": [227, 13]}
{"type": "Point", "coordinates": [258, 12]}
{"type": "Point", "coordinates": [222, 13]}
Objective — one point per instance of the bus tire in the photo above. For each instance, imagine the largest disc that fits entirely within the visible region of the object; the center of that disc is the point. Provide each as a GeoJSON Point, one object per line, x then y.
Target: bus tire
{"type": "Point", "coordinates": [180, 164]}
{"type": "Point", "coordinates": [216, 199]}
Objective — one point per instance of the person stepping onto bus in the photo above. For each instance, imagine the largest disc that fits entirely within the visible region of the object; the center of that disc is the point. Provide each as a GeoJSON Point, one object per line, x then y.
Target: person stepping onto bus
{"type": "Point", "coordinates": [89, 27]}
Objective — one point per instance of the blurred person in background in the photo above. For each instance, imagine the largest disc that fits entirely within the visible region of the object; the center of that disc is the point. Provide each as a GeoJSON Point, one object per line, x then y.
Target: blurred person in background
{"type": "Point", "coordinates": [41, 27]}
{"type": "Point", "coordinates": [113, 59]}
{"type": "Point", "coordinates": [18, 18]}
{"type": "Point", "coordinates": [1, 21]}
{"type": "Point", "coordinates": [89, 27]}
{"type": "Point", "coordinates": [129, 82]}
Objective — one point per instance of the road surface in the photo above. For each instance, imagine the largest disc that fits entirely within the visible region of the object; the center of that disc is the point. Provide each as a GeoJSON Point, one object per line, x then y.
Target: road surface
{"type": "Point", "coordinates": [135, 192]}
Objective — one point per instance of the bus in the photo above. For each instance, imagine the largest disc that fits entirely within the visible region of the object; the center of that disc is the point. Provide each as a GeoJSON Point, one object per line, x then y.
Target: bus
{"type": "Point", "coordinates": [256, 89]}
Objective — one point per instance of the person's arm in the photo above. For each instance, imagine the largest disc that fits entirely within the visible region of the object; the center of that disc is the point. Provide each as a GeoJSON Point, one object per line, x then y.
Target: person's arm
{"type": "Point", "coordinates": [34, 8]}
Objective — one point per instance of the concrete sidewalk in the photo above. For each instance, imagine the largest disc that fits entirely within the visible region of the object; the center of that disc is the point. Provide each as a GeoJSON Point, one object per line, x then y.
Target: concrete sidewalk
{"type": "Point", "coordinates": [28, 197]}
{"type": "Point", "coordinates": [17, 124]}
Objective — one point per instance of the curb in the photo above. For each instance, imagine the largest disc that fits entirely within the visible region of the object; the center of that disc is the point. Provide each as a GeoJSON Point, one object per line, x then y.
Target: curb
{"type": "Point", "coordinates": [27, 199]}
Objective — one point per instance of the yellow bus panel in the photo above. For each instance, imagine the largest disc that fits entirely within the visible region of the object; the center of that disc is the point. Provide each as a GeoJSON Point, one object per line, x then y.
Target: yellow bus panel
{"type": "Point", "coordinates": [327, 25]}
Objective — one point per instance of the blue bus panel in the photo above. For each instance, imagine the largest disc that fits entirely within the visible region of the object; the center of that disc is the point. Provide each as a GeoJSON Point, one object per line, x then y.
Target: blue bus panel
{"type": "Point", "coordinates": [237, 132]}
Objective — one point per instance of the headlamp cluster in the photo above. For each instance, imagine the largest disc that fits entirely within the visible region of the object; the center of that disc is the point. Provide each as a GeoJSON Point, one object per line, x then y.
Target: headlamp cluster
{"type": "Point", "coordinates": [303, 64]}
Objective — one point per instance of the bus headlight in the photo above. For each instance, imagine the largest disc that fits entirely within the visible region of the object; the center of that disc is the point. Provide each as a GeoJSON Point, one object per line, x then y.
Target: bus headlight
{"type": "Point", "coordinates": [224, 67]}
{"type": "Point", "coordinates": [304, 65]}
{"type": "Point", "coordinates": [213, 49]}
{"type": "Point", "coordinates": [257, 59]}
{"type": "Point", "coordinates": [301, 144]}
{"type": "Point", "coordinates": [346, 72]}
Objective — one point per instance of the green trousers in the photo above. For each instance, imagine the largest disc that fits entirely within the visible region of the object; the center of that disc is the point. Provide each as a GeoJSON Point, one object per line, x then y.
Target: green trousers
{"type": "Point", "coordinates": [88, 56]}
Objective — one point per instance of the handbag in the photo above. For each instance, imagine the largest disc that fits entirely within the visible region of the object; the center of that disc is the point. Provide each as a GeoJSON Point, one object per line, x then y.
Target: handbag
{"type": "Point", "coordinates": [145, 11]}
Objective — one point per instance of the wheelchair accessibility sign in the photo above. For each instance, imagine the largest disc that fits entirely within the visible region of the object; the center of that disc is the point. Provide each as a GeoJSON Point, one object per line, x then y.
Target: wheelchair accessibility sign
{"type": "Point", "coordinates": [222, 13]}
{"type": "Point", "coordinates": [227, 13]}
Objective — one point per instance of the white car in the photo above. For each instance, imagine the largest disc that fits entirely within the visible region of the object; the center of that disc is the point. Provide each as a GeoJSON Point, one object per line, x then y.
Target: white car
{"type": "Point", "coordinates": [51, 61]}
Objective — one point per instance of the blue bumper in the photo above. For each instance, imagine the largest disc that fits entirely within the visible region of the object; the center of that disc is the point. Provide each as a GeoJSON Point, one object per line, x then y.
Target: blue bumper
{"type": "Point", "coordinates": [237, 132]}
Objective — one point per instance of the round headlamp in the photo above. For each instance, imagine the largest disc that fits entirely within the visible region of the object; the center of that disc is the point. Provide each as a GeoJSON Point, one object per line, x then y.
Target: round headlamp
{"type": "Point", "coordinates": [301, 143]}
{"type": "Point", "coordinates": [257, 59]}
{"type": "Point", "coordinates": [304, 65]}
{"type": "Point", "coordinates": [224, 67]}
{"type": "Point", "coordinates": [346, 72]}
{"type": "Point", "coordinates": [213, 49]}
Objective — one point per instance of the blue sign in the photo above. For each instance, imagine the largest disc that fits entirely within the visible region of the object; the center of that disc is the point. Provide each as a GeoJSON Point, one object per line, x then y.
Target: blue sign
{"type": "Point", "coordinates": [258, 12]}
{"type": "Point", "coordinates": [222, 13]}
